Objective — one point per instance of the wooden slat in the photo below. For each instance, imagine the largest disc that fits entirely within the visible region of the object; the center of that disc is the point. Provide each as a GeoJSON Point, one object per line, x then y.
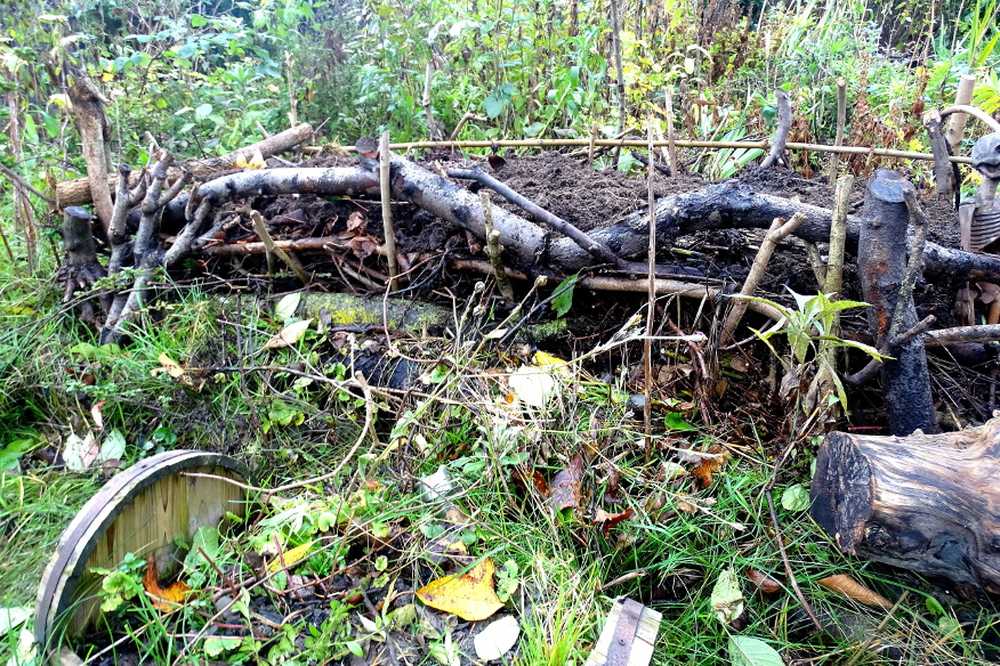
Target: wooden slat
{"type": "Point", "coordinates": [641, 652]}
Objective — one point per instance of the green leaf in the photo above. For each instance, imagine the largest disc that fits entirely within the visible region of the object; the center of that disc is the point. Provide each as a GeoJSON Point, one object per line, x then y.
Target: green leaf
{"type": "Point", "coordinates": [750, 651]}
{"type": "Point", "coordinates": [676, 422]}
{"type": "Point", "coordinates": [562, 300]}
{"type": "Point", "coordinates": [795, 498]}
{"type": "Point", "coordinates": [198, 21]}
{"type": "Point", "coordinates": [215, 646]}
{"type": "Point", "coordinates": [203, 111]}
{"type": "Point", "coordinates": [10, 454]}
{"type": "Point", "coordinates": [727, 597]}
{"type": "Point", "coordinates": [112, 448]}
{"type": "Point", "coordinates": [286, 307]}
{"type": "Point", "coordinates": [495, 106]}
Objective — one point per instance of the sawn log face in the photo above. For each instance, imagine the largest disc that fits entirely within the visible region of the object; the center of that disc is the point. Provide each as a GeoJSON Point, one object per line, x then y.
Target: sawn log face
{"type": "Point", "coordinates": [928, 503]}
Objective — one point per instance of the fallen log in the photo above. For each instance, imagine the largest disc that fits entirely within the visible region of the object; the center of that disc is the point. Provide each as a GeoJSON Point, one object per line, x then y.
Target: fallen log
{"type": "Point", "coordinates": [734, 204]}
{"type": "Point", "coordinates": [76, 192]}
{"type": "Point", "coordinates": [882, 266]}
{"type": "Point", "coordinates": [921, 502]}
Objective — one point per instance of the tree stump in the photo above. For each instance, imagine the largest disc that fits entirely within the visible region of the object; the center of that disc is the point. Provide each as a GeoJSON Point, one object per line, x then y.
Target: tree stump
{"type": "Point", "coordinates": [881, 265]}
{"type": "Point", "coordinates": [927, 503]}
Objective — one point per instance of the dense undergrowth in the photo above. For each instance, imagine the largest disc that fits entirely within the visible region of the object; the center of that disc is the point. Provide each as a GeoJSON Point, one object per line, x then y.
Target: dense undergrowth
{"type": "Point", "coordinates": [204, 78]}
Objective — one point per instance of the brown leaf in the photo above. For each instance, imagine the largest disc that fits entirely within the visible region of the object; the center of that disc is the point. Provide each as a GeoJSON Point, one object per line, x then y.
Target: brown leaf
{"type": "Point", "coordinates": [709, 464]}
{"type": "Point", "coordinates": [356, 223]}
{"type": "Point", "coordinates": [852, 589]}
{"type": "Point", "coordinates": [764, 583]}
{"type": "Point", "coordinates": [608, 520]}
{"type": "Point", "coordinates": [566, 487]}
{"type": "Point", "coordinates": [532, 478]}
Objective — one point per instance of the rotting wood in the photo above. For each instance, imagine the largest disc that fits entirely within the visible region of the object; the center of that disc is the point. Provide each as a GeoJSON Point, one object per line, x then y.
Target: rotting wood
{"type": "Point", "coordinates": [87, 104]}
{"type": "Point", "coordinates": [945, 176]}
{"type": "Point", "coordinates": [882, 261]}
{"type": "Point", "coordinates": [781, 132]}
{"type": "Point", "coordinates": [647, 343]}
{"type": "Point", "coordinates": [628, 636]}
{"type": "Point", "coordinates": [921, 502]}
{"type": "Point", "coordinates": [78, 191]}
{"type": "Point", "coordinates": [80, 270]}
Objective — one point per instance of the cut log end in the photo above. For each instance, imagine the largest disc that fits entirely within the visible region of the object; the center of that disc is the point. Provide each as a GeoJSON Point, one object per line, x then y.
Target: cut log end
{"type": "Point", "coordinates": [923, 502]}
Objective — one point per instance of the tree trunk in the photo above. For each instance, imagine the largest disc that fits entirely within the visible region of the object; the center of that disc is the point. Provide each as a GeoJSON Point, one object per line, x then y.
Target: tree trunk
{"type": "Point", "coordinates": [881, 265]}
{"type": "Point", "coordinates": [923, 502]}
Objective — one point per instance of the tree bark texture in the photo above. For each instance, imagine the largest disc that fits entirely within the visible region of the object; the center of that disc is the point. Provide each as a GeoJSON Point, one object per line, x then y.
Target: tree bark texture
{"type": "Point", "coordinates": [881, 265]}
{"type": "Point", "coordinates": [923, 502]}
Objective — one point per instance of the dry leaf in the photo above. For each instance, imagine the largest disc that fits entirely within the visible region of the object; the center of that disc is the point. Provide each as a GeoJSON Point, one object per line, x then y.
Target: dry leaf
{"type": "Point", "coordinates": [727, 598]}
{"type": "Point", "coordinates": [764, 583]}
{"type": "Point", "coordinates": [608, 520]}
{"type": "Point", "coordinates": [252, 161]}
{"type": "Point", "coordinates": [471, 596]}
{"type": "Point", "coordinates": [852, 589]}
{"type": "Point", "coordinates": [176, 371]}
{"type": "Point", "coordinates": [165, 599]}
{"type": "Point", "coordinates": [79, 453]}
{"type": "Point", "coordinates": [289, 558]}
{"type": "Point", "coordinates": [710, 463]}
{"type": "Point", "coordinates": [97, 415]}
{"type": "Point", "coordinates": [565, 490]}
{"type": "Point", "coordinates": [497, 639]}
{"type": "Point", "coordinates": [289, 335]}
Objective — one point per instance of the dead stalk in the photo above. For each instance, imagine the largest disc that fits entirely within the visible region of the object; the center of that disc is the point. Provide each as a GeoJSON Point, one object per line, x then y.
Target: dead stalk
{"type": "Point", "coordinates": [675, 165]}
{"type": "Point", "coordinates": [386, 193]}
{"type": "Point", "coordinates": [839, 136]}
{"type": "Point", "coordinates": [494, 249]}
{"type": "Point", "coordinates": [647, 345]}
{"type": "Point", "coordinates": [260, 226]}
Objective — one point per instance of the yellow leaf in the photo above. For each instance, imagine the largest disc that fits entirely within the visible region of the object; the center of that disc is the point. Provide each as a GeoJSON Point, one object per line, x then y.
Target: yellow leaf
{"type": "Point", "coordinates": [289, 558]}
{"type": "Point", "coordinates": [544, 359]}
{"type": "Point", "coordinates": [254, 161]}
{"type": "Point", "coordinates": [471, 596]}
{"type": "Point", "coordinates": [165, 599]}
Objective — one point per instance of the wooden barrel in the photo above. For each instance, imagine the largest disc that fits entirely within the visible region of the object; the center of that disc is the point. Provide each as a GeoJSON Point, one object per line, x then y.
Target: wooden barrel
{"type": "Point", "coordinates": [142, 510]}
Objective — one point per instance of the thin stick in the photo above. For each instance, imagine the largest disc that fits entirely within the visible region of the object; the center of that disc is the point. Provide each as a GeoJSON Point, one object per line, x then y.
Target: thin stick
{"type": "Point", "coordinates": [494, 249]}
{"type": "Point", "coordinates": [956, 124]}
{"type": "Point", "coordinates": [834, 282]}
{"type": "Point", "coordinates": [781, 133]}
{"type": "Point", "coordinates": [386, 192]}
{"type": "Point", "coordinates": [865, 374]}
{"type": "Point", "coordinates": [17, 180]}
{"type": "Point", "coordinates": [780, 541]}
{"type": "Point", "coordinates": [778, 231]}
{"type": "Point", "coordinates": [585, 241]}
{"type": "Point", "coordinates": [616, 44]}
{"type": "Point", "coordinates": [289, 260]}
{"type": "Point", "coordinates": [647, 343]}
{"type": "Point", "coordinates": [841, 123]}
{"type": "Point", "coordinates": [675, 165]}
{"type": "Point", "coordinates": [989, 120]}
{"type": "Point", "coordinates": [638, 143]}
{"type": "Point", "coordinates": [981, 333]}
{"type": "Point", "coordinates": [590, 146]}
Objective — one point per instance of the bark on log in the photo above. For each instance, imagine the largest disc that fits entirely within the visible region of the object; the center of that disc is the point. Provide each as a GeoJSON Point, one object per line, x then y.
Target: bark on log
{"type": "Point", "coordinates": [922, 502]}
{"type": "Point", "coordinates": [882, 266]}
{"type": "Point", "coordinates": [76, 192]}
{"type": "Point", "coordinates": [731, 204]}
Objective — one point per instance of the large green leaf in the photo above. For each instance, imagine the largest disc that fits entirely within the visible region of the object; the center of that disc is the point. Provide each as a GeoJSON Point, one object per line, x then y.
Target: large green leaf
{"type": "Point", "coordinates": [750, 651]}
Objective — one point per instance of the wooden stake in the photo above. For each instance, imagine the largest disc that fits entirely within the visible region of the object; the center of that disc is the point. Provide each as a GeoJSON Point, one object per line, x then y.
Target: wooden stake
{"type": "Point", "coordinates": [647, 343]}
{"type": "Point", "coordinates": [781, 132]}
{"type": "Point", "coordinates": [493, 248]}
{"type": "Point", "coordinates": [956, 124]}
{"type": "Point", "coordinates": [841, 122]}
{"type": "Point", "coordinates": [779, 229]}
{"type": "Point", "coordinates": [838, 237]}
{"type": "Point", "coordinates": [675, 165]}
{"type": "Point", "coordinates": [619, 72]}
{"type": "Point", "coordinates": [386, 192]}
